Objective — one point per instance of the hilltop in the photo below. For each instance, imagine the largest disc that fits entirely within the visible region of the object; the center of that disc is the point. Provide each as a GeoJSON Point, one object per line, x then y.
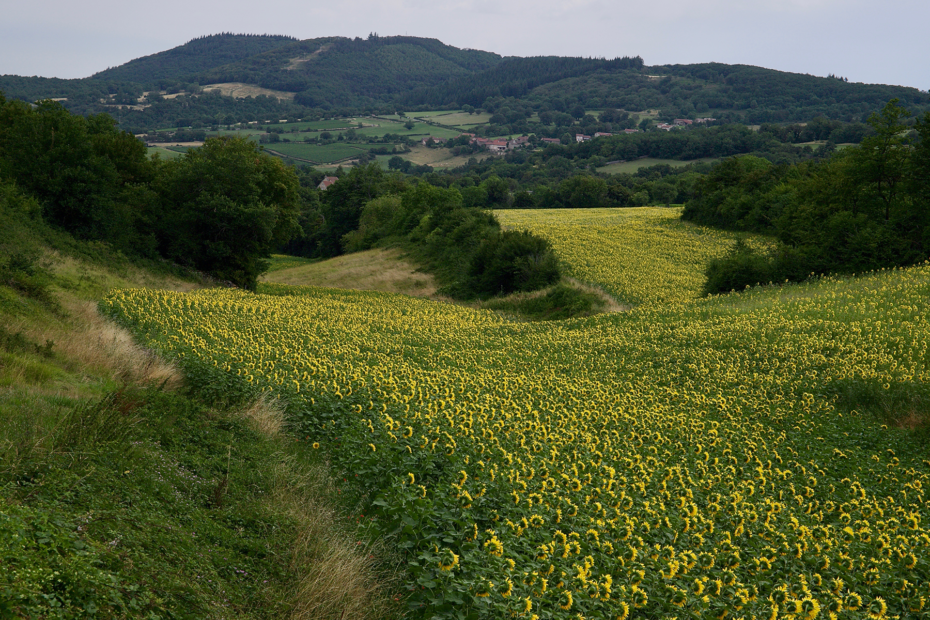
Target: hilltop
{"type": "Point", "coordinates": [185, 62]}
{"type": "Point", "coordinates": [384, 74]}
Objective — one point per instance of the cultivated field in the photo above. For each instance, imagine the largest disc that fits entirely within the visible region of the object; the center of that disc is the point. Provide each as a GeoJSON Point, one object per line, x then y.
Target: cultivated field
{"type": "Point", "coordinates": [630, 167]}
{"type": "Point", "coordinates": [318, 152]}
{"type": "Point", "coordinates": [643, 256]}
{"type": "Point", "coordinates": [742, 456]}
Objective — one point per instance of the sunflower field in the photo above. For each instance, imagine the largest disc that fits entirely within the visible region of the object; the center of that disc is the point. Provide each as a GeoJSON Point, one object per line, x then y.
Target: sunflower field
{"type": "Point", "coordinates": [645, 255]}
{"type": "Point", "coordinates": [753, 455]}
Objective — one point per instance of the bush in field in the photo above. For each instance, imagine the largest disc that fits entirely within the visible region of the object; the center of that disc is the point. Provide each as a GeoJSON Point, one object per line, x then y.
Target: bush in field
{"type": "Point", "coordinates": [512, 261]}
{"type": "Point", "coordinates": [459, 243]}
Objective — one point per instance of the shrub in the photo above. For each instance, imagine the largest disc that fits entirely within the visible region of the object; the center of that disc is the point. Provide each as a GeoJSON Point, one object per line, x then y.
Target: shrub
{"type": "Point", "coordinates": [511, 261]}
{"type": "Point", "coordinates": [741, 267]}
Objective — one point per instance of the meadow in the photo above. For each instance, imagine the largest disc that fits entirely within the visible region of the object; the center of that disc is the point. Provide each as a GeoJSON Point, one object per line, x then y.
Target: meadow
{"type": "Point", "coordinates": [630, 167]}
{"type": "Point", "coordinates": [753, 455]}
{"type": "Point", "coordinates": [319, 152]}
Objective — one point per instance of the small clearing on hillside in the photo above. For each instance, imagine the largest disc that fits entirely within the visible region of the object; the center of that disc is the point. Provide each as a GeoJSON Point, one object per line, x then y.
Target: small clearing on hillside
{"type": "Point", "coordinates": [239, 90]}
{"type": "Point", "coordinates": [373, 270]}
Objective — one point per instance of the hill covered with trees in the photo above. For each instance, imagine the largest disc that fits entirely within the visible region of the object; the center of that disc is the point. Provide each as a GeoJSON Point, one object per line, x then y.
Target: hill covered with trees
{"type": "Point", "coordinates": [386, 74]}
{"type": "Point", "coordinates": [186, 62]}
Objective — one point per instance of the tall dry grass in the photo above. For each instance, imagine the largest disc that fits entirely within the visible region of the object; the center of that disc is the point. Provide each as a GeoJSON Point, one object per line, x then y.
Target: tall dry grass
{"type": "Point", "coordinates": [337, 576]}
{"type": "Point", "coordinates": [100, 348]}
{"type": "Point", "coordinates": [372, 270]}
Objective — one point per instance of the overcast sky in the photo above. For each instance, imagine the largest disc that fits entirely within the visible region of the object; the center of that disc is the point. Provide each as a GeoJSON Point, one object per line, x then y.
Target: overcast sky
{"type": "Point", "coordinates": [875, 42]}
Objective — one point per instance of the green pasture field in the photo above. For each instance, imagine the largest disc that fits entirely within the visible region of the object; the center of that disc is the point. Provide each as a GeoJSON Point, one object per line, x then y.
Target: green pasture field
{"type": "Point", "coordinates": [433, 114]}
{"type": "Point", "coordinates": [163, 152]}
{"type": "Point", "coordinates": [383, 127]}
{"type": "Point", "coordinates": [327, 125]}
{"type": "Point", "coordinates": [251, 133]}
{"type": "Point", "coordinates": [283, 261]}
{"type": "Point", "coordinates": [630, 167]}
{"type": "Point", "coordinates": [315, 152]}
{"type": "Point", "coordinates": [463, 119]}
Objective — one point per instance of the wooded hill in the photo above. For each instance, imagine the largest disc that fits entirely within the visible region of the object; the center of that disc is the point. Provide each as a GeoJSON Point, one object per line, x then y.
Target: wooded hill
{"type": "Point", "coordinates": [384, 74]}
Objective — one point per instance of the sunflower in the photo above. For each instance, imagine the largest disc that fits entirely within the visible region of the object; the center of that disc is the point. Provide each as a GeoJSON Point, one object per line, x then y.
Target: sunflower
{"type": "Point", "coordinates": [853, 602]}
{"type": "Point", "coordinates": [485, 589]}
{"type": "Point", "coordinates": [810, 609]}
{"type": "Point", "coordinates": [679, 598]}
{"type": "Point", "coordinates": [698, 586]}
{"type": "Point", "coordinates": [565, 600]}
{"type": "Point", "coordinates": [508, 590]}
{"type": "Point", "coordinates": [448, 560]}
{"type": "Point", "coordinates": [494, 547]}
{"type": "Point", "coordinates": [624, 610]}
{"type": "Point", "coordinates": [877, 608]}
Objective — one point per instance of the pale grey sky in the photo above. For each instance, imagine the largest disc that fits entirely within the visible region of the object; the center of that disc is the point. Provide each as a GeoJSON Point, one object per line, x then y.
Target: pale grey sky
{"type": "Point", "coordinates": [865, 41]}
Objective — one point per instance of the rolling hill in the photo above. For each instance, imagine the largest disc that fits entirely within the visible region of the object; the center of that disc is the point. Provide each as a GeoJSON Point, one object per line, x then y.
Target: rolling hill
{"type": "Point", "coordinates": [381, 74]}
{"type": "Point", "coordinates": [185, 62]}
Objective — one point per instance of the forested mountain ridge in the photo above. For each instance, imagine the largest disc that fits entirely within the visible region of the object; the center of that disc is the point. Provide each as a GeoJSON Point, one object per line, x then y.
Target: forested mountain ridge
{"type": "Point", "coordinates": [385, 74]}
{"type": "Point", "coordinates": [185, 62]}
{"type": "Point", "coordinates": [516, 77]}
{"type": "Point", "coordinates": [341, 71]}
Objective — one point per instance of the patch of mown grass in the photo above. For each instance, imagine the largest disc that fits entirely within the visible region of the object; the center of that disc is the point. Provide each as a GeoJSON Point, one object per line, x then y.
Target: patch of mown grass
{"type": "Point", "coordinates": [284, 261]}
{"type": "Point", "coordinates": [551, 304]}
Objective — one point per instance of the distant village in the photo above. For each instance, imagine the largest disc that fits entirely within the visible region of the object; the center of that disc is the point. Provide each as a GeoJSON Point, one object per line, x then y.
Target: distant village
{"type": "Point", "coordinates": [500, 145]}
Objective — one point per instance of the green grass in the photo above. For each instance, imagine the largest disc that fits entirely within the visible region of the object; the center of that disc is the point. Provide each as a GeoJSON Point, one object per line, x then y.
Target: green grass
{"type": "Point", "coordinates": [250, 132]}
{"type": "Point", "coordinates": [283, 261]}
{"type": "Point", "coordinates": [163, 152]}
{"type": "Point", "coordinates": [630, 167]}
{"type": "Point", "coordinates": [129, 490]}
{"type": "Point", "coordinates": [316, 152]}
{"type": "Point", "coordinates": [463, 119]}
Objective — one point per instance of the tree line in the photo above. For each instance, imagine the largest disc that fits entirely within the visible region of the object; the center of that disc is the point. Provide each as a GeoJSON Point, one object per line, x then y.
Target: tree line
{"type": "Point", "coordinates": [866, 207]}
{"type": "Point", "coordinates": [447, 229]}
{"type": "Point", "coordinates": [220, 209]}
{"type": "Point", "coordinates": [224, 207]}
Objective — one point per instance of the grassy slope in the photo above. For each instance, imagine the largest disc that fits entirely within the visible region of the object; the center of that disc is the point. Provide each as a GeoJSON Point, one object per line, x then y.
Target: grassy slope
{"type": "Point", "coordinates": [375, 270]}
{"type": "Point", "coordinates": [388, 271]}
{"type": "Point", "coordinates": [125, 489]}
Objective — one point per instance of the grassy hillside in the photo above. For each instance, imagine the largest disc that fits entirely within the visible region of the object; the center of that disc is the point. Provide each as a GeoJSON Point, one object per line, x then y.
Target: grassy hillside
{"type": "Point", "coordinates": [128, 487]}
{"type": "Point", "coordinates": [746, 455]}
{"type": "Point", "coordinates": [372, 270]}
